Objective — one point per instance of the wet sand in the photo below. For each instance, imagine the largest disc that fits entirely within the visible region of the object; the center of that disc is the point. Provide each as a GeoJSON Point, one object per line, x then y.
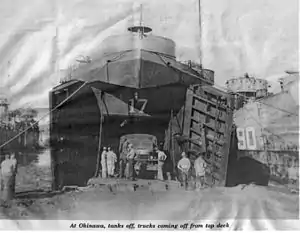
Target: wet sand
{"type": "Point", "coordinates": [260, 204]}
{"type": "Point", "coordinates": [264, 207]}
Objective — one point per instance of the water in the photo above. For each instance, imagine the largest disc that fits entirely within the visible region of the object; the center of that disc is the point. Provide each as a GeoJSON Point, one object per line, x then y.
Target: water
{"type": "Point", "coordinates": [34, 171]}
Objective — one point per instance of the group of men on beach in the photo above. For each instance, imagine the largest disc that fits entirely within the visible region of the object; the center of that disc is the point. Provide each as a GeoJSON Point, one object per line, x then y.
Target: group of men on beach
{"type": "Point", "coordinates": [108, 160]}
{"type": "Point", "coordinates": [184, 167]}
{"type": "Point", "coordinates": [127, 164]}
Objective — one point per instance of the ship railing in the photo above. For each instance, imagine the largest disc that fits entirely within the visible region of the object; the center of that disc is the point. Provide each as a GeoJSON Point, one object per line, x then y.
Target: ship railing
{"type": "Point", "coordinates": [204, 73]}
{"type": "Point", "coordinates": [81, 60]}
{"type": "Point", "coordinates": [69, 73]}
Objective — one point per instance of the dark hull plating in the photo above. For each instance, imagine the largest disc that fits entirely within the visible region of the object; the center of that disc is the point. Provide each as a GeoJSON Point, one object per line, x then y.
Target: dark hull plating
{"type": "Point", "coordinates": [75, 126]}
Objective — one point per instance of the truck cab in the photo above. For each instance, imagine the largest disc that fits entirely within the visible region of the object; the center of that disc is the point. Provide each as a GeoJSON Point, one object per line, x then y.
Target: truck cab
{"type": "Point", "coordinates": [143, 144]}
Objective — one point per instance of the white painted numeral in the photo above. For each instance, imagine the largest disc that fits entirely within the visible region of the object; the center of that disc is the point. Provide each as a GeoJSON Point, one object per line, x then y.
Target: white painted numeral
{"type": "Point", "coordinates": [132, 107]}
{"type": "Point", "coordinates": [251, 139]}
{"type": "Point", "coordinates": [246, 138]}
{"type": "Point", "coordinates": [241, 139]}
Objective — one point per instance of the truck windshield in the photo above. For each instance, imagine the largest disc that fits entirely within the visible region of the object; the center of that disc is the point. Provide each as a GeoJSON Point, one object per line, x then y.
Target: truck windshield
{"type": "Point", "coordinates": [141, 141]}
{"type": "Point", "coordinates": [142, 144]}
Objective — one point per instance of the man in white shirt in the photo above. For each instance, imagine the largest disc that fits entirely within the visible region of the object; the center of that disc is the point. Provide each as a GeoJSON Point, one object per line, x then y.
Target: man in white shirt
{"type": "Point", "coordinates": [200, 167]}
{"type": "Point", "coordinates": [111, 160]}
{"type": "Point", "coordinates": [184, 166]}
{"type": "Point", "coordinates": [161, 160]}
{"type": "Point", "coordinates": [7, 171]}
{"type": "Point", "coordinates": [292, 174]}
{"type": "Point", "coordinates": [103, 163]}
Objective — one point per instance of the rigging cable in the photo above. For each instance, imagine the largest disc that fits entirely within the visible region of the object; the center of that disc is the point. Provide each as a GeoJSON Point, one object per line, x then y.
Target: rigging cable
{"type": "Point", "coordinates": [99, 145]}
{"type": "Point", "coordinates": [200, 32]}
{"type": "Point", "coordinates": [57, 106]}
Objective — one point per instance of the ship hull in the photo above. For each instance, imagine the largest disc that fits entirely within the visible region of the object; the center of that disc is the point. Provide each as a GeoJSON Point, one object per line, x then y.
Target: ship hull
{"type": "Point", "coordinates": [75, 126]}
{"type": "Point", "coordinates": [141, 69]}
{"type": "Point", "coordinates": [158, 79]}
{"type": "Point", "coordinates": [274, 124]}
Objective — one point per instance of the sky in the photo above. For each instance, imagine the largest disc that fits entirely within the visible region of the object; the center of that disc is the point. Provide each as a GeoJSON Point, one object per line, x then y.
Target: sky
{"type": "Point", "coordinates": [259, 37]}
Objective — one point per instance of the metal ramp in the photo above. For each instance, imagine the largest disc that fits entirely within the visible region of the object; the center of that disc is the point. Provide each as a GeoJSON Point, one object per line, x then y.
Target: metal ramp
{"type": "Point", "coordinates": [207, 124]}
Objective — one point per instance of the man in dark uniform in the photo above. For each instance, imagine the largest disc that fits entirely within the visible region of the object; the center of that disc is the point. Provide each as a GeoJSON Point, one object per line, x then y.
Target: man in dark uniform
{"type": "Point", "coordinates": [131, 162]}
{"type": "Point", "coordinates": [123, 160]}
{"type": "Point", "coordinates": [168, 166]}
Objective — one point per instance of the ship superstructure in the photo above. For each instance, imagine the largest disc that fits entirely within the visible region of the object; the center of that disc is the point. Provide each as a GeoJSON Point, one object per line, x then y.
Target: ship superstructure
{"type": "Point", "coordinates": [247, 88]}
{"type": "Point", "coordinates": [135, 85]}
{"type": "Point", "coordinates": [268, 123]}
{"type": "Point", "coordinates": [131, 86]}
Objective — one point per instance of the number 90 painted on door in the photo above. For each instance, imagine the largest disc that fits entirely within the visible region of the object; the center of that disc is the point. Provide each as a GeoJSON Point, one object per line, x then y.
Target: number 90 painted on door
{"type": "Point", "coordinates": [246, 138]}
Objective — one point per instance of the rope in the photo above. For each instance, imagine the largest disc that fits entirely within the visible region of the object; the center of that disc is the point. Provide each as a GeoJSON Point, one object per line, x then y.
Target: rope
{"type": "Point", "coordinates": [172, 143]}
{"type": "Point", "coordinates": [200, 31]}
{"type": "Point", "coordinates": [99, 146]}
{"type": "Point", "coordinates": [60, 104]}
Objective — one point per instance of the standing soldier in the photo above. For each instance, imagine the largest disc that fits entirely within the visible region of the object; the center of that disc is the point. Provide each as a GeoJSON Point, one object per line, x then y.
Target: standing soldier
{"type": "Point", "coordinates": [184, 166]}
{"type": "Point", "coordinates": [200, 167]}
{"type": "Point", "coordinates": [168, 166]}
{"type": "Point", "coordinates": [130, 158]}
{"type": "Point", "coordinates": [111, 160]}
{"type": "Point", "coordinates": [122, 162]}
{"type": "Point", "coordinates": [292, 172]}
{"type": "Point", "coordinates": [14, 164]}
{"type": "Point", "coordinates": [7, 171]}
{"type": "Point", "coordinates": [103, 163]}
{"type": "Point", "coordinates": [161, 160]}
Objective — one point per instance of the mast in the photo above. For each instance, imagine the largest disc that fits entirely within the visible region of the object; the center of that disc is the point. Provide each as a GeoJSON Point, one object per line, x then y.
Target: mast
{"type": "Point", "coordinates": [56, 53]}
{"type": "Point", "coordinates": [8, 69]}
{"type": "Point", "coordinates": [141, 14]}
{"type": "Point", "coordinates": [140, 29]}
{"type": "Point", "coordinates": [59, 20]}
{"type": "Point", "coordinates": [200, 32]}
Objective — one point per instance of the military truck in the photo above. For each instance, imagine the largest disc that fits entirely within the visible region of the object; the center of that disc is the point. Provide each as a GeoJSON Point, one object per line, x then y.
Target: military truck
{"type": "Point", "coordinates": [146, 159]}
